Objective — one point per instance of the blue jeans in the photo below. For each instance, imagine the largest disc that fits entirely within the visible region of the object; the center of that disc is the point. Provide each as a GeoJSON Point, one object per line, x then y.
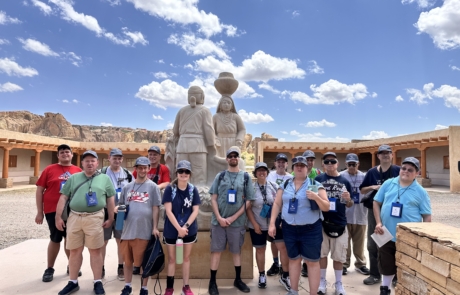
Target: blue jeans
{"type": "Point", "coordinates": [303, 241]}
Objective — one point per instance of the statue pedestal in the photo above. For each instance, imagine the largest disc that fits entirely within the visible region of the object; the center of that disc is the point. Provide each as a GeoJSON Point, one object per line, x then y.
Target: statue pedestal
{"type": "Point", "coordinates": [33, 179]}
{"type": "Point", "coordinates": [424, 182]}
{"type": "Point", "coordinates": [201, 257]}
{"type": "Point", "coordinates": [6, 182]}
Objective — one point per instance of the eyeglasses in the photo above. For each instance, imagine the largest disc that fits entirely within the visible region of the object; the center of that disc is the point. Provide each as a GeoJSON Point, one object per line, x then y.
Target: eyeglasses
{"type": "Point", "coordinates": [182, 171]}
{"type": "Point", "coordinates": [351, 164]}
{"type": "Point", "coordinates": [328, 162]}
{"type": "Point", "coordinates": [410, 170]}
{"type": "Point", "coordinates": [232, 157]}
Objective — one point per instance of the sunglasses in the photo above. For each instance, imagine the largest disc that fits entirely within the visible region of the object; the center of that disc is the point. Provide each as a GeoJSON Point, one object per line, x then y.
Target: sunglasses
{"type": "Point", "coordinates": [351, 164]}
{"type": "Point", "coordinates": [182, 171]}
{"type": "Point", "coordinates": [298, 159]}
{"type": "Point", "coordinates": [327, 162]}
{"type": "Point", "coordinates": [232, 157]}
{"type": "Point", "coordinates": [410, 170]}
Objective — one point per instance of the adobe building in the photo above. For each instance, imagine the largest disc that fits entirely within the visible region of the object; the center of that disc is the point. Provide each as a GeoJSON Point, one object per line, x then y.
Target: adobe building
{"type": "Point", "coordinates": [25, 155]}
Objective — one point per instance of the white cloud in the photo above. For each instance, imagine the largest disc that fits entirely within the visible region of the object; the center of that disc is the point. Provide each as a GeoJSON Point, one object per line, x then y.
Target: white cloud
{"type": "Point", "coordinates": [45, 8]}
{"type": "Point", "coordinates": [284, 132]}
{"type": "Point", "coordinates": [37, 47]}
{"type": "Point", "coordinates": [136, 37]}
{"type": "Point", "coordinates": [11, 68]}
{"type": "Point", "coordinates": [314, 68]}
{"type": "Point", "coordinates": [269, 88]}
{"type": "Point", "coordinates": [185, 13]}
{"type": "Point", "coordinates": [65, 101]}
{"type": "Point", "coordinates": [380, 106]}
{"type": "Point", "coordinates": [73, 58]}
{"type": "Point", "coordinates": [330, 93]}
{"type": "Point", "coordinates": [439, 127]}
{"type": "Point", "coordinates": [160, 61]}
{"type": "Point", "coordinates": [295, 13]}
{"type": "Point", "coordinates": [253, 118]}
{"type": "Point", "coordinates": [450, 94]}
{"type": "Point", "coordinates": [4, 42]}
{"type": "Point", "coordinates": [322, 123]}
{"type": "Point", "coordinates": [299, 110]}
{"type": "Point", "coordinates": [113, 2]}
{"type": "Point", "coordinates": [157, 117]}
{"type": "Point", "coordinates": [374, 95]}
{"type": "Point", "coordinates": [421, 96]}
{"type": "Point", "coordinates": [316, 137]}
{"type": "Point", "coordinates": [104, 124]}
{"type": "Point", "coordinates": [9, 87]}
{"type": "Point", "coordinates": [442, 24]}
{"type": "Point", "coordinates": [193, 45]}
{"type": "Point", "coordinates": [420, 3]}
{"type": "Point", "coordinates": [376, 135]}
{"type": "Point", "coordinates": [455, 68]}
{"type": "Point", "coordinates": [6, 19]}
{"type": "Point", "coordinates": [170, 125]}
{"type": "Point", "coordinates": [160, 75]}
{"type": "Point", "coordinates": [75, 101]}
{"type": "Point", "coordinates": [399, 98]}
{"type": "Point", "coordinates": [165, 94]}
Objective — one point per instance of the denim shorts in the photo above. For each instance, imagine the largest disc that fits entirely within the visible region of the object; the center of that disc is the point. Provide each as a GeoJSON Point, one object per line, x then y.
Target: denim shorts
{"type": "Point", "coordinates": [303, 241]}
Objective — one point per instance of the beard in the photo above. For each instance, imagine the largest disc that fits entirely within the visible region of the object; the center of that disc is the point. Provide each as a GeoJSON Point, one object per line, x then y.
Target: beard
{"type": "Point", "coordinates": [233, 164]}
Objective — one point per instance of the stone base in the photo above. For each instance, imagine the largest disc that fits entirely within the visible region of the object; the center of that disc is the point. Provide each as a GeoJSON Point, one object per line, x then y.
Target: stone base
{"type": "Point", "coordinates": [425, 182]}
{"type": "Point", "coordinates": [201, 257]}
{"type": "Point", "coordinates": [33, 179]}
{"type": "Point", "coordinates": [6, 182]}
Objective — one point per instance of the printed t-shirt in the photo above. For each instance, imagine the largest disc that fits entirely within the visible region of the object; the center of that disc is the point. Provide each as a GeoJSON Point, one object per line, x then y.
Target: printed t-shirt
{"type": "Point", "coordinates": [334, 186]}
{"type": "Point", "coordinates": [226, 209]}
{"type": "Point", "coordinates": [278, 179]}
{"type": "Point", "coordinates": [119, 180]}
{"type": "Point", "coordinates": [163, 175]}
{"type": "Point", "coordinates": [182, 207]}
{"type": "Point", "coordinates": [356, 214]}
{"type": "Point", "coordinates": [414, 198]}
{"type": "Point", "coordinates": [374, 177]}
{"type": "Point", "coordinates": [100, 184]}
{"type": "Point", "coordinates": [140, 197]}
{"type": "Point", "coordinates": [256, 205]}
{"type": "Point", "coordinates": [51, 179]}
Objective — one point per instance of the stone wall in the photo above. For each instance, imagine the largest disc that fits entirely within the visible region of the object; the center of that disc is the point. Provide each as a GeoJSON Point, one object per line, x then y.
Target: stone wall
{"type": "Point", "coordinates": [428, 259]}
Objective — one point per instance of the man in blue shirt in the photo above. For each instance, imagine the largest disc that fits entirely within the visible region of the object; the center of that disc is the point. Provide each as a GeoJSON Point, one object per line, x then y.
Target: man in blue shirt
{"type": "Point", "coordinates": [401, 199]}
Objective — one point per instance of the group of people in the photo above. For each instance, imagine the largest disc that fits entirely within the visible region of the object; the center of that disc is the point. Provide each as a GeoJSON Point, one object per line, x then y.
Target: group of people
{"type": "Point", "coordinates": [307, 216]}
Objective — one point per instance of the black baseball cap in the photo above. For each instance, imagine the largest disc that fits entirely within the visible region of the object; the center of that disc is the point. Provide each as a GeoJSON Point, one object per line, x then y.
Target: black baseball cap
{"type": "Point", "coordinates": [281, 157]}
{"type": "Point", "coordinates": [63, 147]}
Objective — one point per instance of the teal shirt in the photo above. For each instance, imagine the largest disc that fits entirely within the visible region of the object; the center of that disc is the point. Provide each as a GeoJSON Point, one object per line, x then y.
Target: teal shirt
{"type": "Point", "coordinates": [100, 184]}
{"type": "Point", "coordinates": [226, 209]}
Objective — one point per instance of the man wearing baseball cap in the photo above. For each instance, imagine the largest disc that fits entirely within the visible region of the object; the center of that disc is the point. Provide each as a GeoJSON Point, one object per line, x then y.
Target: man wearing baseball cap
{"type": "Point", "coordinates": [158, 173]}
{"type": "Point", "coordinates": [372, 182]}
{"type": "Point", "coordinates": [90, 191]}
{"type": "Point", "coordinates": [400, 199]}
{"type": "Point", "coordinates": [356, 216]}
{"type": "Point", "coordinates": [47, 196]}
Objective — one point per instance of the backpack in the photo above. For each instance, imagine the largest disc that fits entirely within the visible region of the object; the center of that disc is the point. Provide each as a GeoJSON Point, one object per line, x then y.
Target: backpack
{"type": "Point", "coordinates": [190, 191]}
{"type": "Point", "coordinates": [154, 261]}
{"type": "Point", "coordinates": [129, 175]}
{"type": "Point", "coordinates": [246, 179]}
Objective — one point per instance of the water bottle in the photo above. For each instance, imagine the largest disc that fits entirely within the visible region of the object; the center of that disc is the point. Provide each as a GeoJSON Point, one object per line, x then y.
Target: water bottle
{"type": "Point", "coordinates": [344, 190]}
{"type": "Point", "coordinates": [179, 251]}
{"type": "Point", "coordinates": [120, 217]}
{"type": "Point", "coordinates": [313, 204]}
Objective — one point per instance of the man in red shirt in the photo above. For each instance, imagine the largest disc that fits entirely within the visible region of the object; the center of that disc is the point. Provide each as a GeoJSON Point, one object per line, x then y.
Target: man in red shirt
{"type": "Point", "coordinates": [158, 173]}
{"type": "Point", "coordinates": [47, 196]}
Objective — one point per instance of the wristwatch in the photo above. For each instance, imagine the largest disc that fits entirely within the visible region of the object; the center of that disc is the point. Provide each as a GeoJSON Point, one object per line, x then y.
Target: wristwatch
{"type": "Point", "coordinates": [187, 225]}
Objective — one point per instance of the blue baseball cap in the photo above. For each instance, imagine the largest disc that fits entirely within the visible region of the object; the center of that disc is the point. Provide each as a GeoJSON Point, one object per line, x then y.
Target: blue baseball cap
{"type": "Point", "coordinates": [351, 158]}
{"type": "Point", "coordinates": [329, 154]}
{"type": "Point", "coordinates": [413, 161]}
{"type": "Point", "coordinates": [155, 149]}
{"type": "Point", "coordinates": [142, 161]}
{"type": "Point", "coordinates": [299, 160]}
{"type": "Point", "coordinates": [384, 148]}
{"type": "Point", "coordinates": [308, 154]}
{"type": "Point", "coordinates": [116, 152]}
{"type": "Point", "coordinates": [89, 153]}
{"type": "Point", "coordinates": [184, 164]}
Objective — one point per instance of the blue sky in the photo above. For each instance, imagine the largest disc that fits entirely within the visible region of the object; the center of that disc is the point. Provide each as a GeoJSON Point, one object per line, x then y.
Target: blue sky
{"type": "Point", "coordinates": [308, 70]}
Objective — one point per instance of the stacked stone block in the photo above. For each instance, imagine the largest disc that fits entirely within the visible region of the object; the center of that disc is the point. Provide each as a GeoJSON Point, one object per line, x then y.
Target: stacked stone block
{"type": "Point", "coordinates": [428, 259]}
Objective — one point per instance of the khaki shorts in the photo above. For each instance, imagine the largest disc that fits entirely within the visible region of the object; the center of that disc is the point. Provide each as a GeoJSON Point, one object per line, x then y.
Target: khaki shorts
{"type": "Point", "coordinates": [336, 246]}
{"type": "Point", "coordinates": [133, 251]}
{"type": "Point", "coordinates": [85, 229]}
{"type": "Point", "coordinates": [220, 236]}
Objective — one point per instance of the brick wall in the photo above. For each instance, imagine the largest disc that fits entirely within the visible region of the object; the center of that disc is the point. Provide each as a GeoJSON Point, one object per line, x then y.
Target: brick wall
{"type": "Point", "coordinates": [428, 259]}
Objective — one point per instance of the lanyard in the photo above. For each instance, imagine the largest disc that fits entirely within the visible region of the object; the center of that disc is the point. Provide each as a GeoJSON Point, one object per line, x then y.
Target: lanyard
{"type": "Point", "coordinates": [90, 192]}
{"type": "Point", "coordinates": [234, 179]}
{"type": "Point", "coordinates": [382, 179]}
{"type": "Point", "coordinates": [134, 186]}
{"type": "Point", "coordinates": [296, 191]}
{"type": "Point", "coordinates": [263, 191]}
{"type": "Point", "coordinates": [399, 188]}
{"type": "Point", "coordinates": [117, 177]}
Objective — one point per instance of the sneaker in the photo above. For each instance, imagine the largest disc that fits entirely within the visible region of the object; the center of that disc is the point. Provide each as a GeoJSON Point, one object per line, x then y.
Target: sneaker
{"type": "Point", "coordinates": [262, 281]}
{"type": "Point", "coordinates": [384, 290]}
{"type": "Point", "coordinates": [371, 280]}
{"type": "Point", "coordinates": [339, 290]}
{"type": "Point", "coordinates": [169, 291]}
{"type": "Point", "coordinates": [345, 271]}
{"type": "Point", "coordinates": [127, 290]}
{"type": "Point", "coordinates": [322, 287]}
{"type": "Point", "coordinates": [363, 270]}
{"type": "Point", "coordinates": [186, 290]}
{"type": "Point", "coordinates": [136, 270]}
{"type": "Point", "coordinates": [121, 274]}
{"type": "Point", "coordinates": [395, 281]}
{"type": "Point", "coordinates": [99, 288]}
{"type": "Point", "coordinates": [143, 292]}
{"type": "Point", "coordinates": [304, 272]}
{"type": "Point", "coordinates": [240, 285]}
{"type": "Point", "coordinates": [69, 289]}
{"type": "Point", "coordinates": [103, 272]}
{"type": "Point", "coordinates": [48, 275]}
{"type": "Point", "coordinates": [274, 270]}
{"type": "Point", "coordinates": [212, 289]}
{"type": "Point", "coordinates": [79, 272]}
{"type": "Point", "coordinates": [286, 282]}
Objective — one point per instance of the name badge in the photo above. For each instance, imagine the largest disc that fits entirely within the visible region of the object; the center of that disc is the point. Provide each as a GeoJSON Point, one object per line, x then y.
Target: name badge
{"type": "Point", "coordinates": [355, 197]}
{"type": "Point", "coordinates": [293, 204]}
{"type": "Point", "coordinates": [91, 199]}
{"type": "Point", "coordinates": [396, 210]}
{"type": "Point", "coordinates": [117, 195]}
{"type": "Point", "coordinates": [266, 211]}
{"type": "Point", "coordinates": [231, 196]}
{"type": "Point", "coordinates": [62, 185]}
{"type": "Point", "coordinates": [332, 204]}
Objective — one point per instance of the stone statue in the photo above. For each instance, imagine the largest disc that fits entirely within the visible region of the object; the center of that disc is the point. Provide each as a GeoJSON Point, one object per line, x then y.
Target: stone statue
{"type": "Point", "coordinates": [228, 125]}
{"type": "Point", "coordinates": [170, 154]}
{"type": "Point", "coordinates": [194, 134]}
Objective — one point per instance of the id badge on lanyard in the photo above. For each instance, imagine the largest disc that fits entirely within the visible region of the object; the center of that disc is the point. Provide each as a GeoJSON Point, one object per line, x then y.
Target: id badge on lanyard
{"type": "Point", "coordinates": [332, 204]}
{"type": "Point", "coordinates": [293, 204]}
{"type": "Point", "coordinates": [62, 185]}
{"type": "Point", "coordinates": [117, 195]}
{"type": "Point", "coordinates": [355, 195]}
{"type": "Point", "coordinates": [396, 210]}
{"type": "Point", "coordinates": [91, 199]}
{"type": "Point", "coordinates": [231, 196]}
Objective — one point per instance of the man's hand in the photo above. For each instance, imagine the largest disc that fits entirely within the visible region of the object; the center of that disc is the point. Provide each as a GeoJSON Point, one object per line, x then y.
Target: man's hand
{"type": "Point", "coordinates": [376, 187]}
{"type": "Point", "coordinates": [379, 229]}
{"type": "Point", "coordinates": [156, 232]}
{"type": "Point", "coordinates": [346, 196]}
{"type": "Point", "coordinates": [107, 223]}
{"type": "Point", "coordinates": [39, 218]}
{"type": "Point", "coordinates": [60, 224]}
{"type": "Point", "coordinates": [223, 222]}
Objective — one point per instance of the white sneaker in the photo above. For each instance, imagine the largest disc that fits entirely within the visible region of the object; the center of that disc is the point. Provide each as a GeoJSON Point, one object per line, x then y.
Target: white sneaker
{"type": "Point", "coordinates": [339, 290]}
{"type": "Point", "coordinates": [322, 287]}
{"type": "Point", "coordinates": [286, 282]}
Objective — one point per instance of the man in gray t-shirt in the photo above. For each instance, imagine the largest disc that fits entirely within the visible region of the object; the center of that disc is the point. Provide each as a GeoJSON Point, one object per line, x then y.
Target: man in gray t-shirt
{"type": "Point", "coordinates": [142, 197]}
{"type": "Point", "coordinates": [230, 194]}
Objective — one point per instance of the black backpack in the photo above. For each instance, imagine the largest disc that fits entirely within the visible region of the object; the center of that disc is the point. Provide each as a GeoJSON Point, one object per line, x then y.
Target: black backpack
{"type": "Point", "coordinates": [129, 176]}
{"type": "Point", "coordinates": [246, 179]}
{"type": "Point", "coordinates": [154, 261]}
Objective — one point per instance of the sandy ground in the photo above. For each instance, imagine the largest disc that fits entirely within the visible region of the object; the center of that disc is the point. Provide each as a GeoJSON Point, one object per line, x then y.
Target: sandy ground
{"type": "Point", "coordinates": [18, 210]}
